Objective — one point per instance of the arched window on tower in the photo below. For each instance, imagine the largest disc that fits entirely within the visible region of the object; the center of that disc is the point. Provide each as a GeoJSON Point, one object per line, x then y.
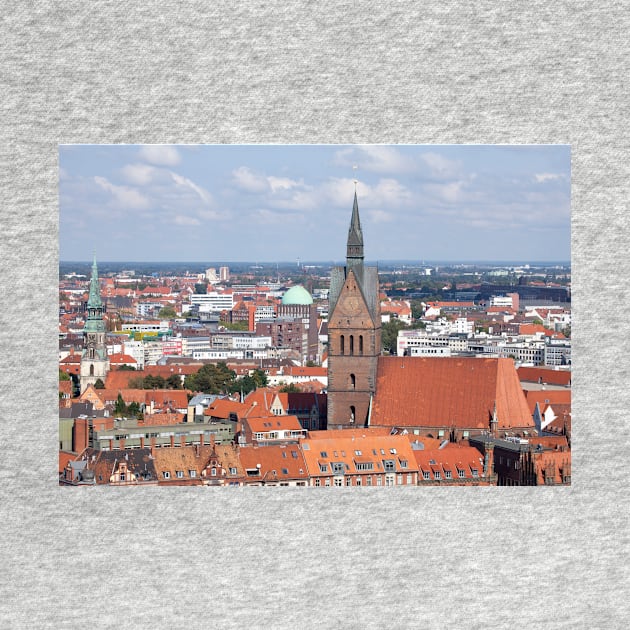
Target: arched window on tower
{"type": "Point", "coordinates": [360, 344]}
{"type": "Point", "coordinates": [91, 369]}
{"type": "Point", "coordinates": [353, 381]}
{"type": "Point", "coordinates": [351, 344]}
{"type": "Point", "coordinates": [352, 413]}
{"type": "Point", "coordinates": [342, 344]}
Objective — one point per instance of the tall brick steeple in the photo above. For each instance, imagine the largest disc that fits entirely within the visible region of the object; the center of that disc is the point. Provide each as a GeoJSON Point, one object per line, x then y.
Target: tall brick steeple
{"type": "Point", "coordinates": [354, 333]}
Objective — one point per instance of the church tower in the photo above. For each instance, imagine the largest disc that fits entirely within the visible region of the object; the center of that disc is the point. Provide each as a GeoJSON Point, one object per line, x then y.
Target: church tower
{"type": "Point", "coordinates": [94, 361]}
{"type": "Point", "coordinates": [354, 334]}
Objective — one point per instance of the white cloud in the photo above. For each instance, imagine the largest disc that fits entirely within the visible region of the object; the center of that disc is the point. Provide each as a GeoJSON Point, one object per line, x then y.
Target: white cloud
{"type": "Point", "coordinates": [139, 174]}
{"type": "Point", "coordinates": [248, 180]}
{"type": "Point", "coordinates": [541, 178]}
{"type": "Point", "coordinates": [161, 155]}
{"type": "Point", "coordinates": [123, 196]}
{"type": "Point", "coordinates": [282, 183]}
{"type": "Point", "coordinates": [184, 182]}
{"type": "Point", "coordinates": [439, 166]}
{"type": "Point", "coordinates": [375, 158]}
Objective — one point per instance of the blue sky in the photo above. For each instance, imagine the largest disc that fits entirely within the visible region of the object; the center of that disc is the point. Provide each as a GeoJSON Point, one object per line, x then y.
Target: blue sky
{"type": "Point", "coordinates": [272, 203]}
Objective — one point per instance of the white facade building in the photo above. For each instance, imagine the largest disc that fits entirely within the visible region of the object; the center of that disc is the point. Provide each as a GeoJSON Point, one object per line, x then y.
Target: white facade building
{"type": "Point", "coordinates": [213, 302]}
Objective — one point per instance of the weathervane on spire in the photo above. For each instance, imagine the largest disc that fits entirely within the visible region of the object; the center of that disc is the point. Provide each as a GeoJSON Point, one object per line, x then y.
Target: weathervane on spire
{"type": "Point", "coordinates": [356, 181]}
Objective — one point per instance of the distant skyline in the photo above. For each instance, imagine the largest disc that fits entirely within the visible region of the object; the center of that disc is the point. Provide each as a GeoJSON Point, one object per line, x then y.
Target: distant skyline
{"type": "Point", "coordinates": [271, 203]}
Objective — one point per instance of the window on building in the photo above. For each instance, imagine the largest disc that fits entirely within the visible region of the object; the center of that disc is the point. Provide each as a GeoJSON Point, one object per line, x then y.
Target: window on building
{"type": "Point", "coordinates": [359, 481]}
{"type": "Point", "coordinates": [323, 454]}
{"type": "Point", "coordinates": [338, 481]}
{"type": "Point", "coordinates": [364, 466]}
{"type": "Point", "coordinates": [475, 472]}
{"type": "Point", "coordinates": [323, 468]}
{"type": "Point", "coordinates": [317, 482]}
{"type": "Point", "coordinates": [404, 463]}
{"type": "Point", "coordinates": [192, 473]}
{"type": "Point", "coordinates": [448, 474]}
{"type": "Point", "coordinates": [285, 471]}
{"type": "Point", "coordinates": [360, 344]}
{"type": "Point", "coordinates": [353, 381]}
{"type": "Point", "coordinates": [352, 413]}
{"type": "Point", "coordinates": [426, 474]}
{"type": "Point", "coordinates": [437, 474]}
{"type": "Point", "coordinates": [166, 474]}
{"type": "Point", "coordinates": [389, 465]}
{"type": "Point", "coordinates": [232, 470]}
{"type": "Point", "coordinates": [351, 344]}
{"type": "Point", "coordinates": [342, 344]}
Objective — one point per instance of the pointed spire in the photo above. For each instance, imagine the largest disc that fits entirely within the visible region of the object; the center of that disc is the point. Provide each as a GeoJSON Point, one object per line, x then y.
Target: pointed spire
{"type": "Point", "coordinates": [94, 300]}
{"type": "Point", "coordinates": [355, 236]}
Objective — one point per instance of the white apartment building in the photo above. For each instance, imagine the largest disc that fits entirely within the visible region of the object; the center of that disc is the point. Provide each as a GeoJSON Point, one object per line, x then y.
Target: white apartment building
{"type": "Point", "coordinates": [212, 302]}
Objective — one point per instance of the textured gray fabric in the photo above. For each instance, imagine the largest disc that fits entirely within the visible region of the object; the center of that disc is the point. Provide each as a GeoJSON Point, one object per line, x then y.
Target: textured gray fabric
{"type": "Point", "coordinates": [298, 72]}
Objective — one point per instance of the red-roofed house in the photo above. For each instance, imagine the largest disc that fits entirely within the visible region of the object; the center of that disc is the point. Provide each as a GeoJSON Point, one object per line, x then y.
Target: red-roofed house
{"type": "Point", "coordinates": [281, 465]}
{"type": "Point", "coordinates": [351, 457]}
{"type": "Point", "coordinates": [271, 430]}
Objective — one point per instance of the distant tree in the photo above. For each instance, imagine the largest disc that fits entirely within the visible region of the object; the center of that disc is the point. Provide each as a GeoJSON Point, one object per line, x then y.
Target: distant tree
{"type": "Point", "coordinates": [417, 310]}
{"type": "Point", "coordinates": [99, 384]}
{"type": "Point", "coordinates": [211, 379]}
{"type": "Point", "coordinates": [174, 382]}
{"type": "Point", "coordinates": [167, 312]}
{"type": "Point", "coordinates": [389, 335]}
{"type": "Point", "coordinates": [134, 409]}
{"type": "Point", "coordinates": [120, 408]}
{"type": "Point", "coordinates": [236, 325]}
{"type": "Point", "coordinates": [311, 364]}
{"type": "Point", "coordinates": [537, 321]}
{"type": "Point", "coordinates": [201, 287]}
{"type": "Point", "coordinates": [126, 368]}
{"type": "Point", "coordinates": [260, 378]}
{"type": "Point", "coordinates": [291, 388]}
{"type": "Point", "coordinates": [136, 383]}
{"type": "Point", "coordinates": [566, 331]}
{"type": "Point", "coordinates": [154, 382]}
{"type": "Point", "coordinates": [63, 376]}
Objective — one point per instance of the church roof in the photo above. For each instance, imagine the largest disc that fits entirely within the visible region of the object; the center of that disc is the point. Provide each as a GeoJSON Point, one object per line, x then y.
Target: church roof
{"type": "Point", "coordinates": [447, 392]}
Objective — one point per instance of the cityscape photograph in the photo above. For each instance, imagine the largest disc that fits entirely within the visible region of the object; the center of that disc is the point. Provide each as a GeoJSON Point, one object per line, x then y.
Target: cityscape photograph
{"type": "Point", "coordinates": [315, 315]}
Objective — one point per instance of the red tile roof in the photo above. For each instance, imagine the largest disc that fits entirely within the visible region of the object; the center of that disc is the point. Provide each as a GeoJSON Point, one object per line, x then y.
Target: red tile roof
{"type": "Point", "coordinates": [453, 458]}
{"type": "Point", "coordinates": [446, 392]}
{"type": "Point", "coordinates": [544, 375]}
{"type": "Point", "coordinates": [276, 463]}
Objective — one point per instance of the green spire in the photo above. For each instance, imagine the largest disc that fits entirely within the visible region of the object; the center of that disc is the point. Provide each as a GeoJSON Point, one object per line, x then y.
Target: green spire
{"type": "Point", "coordinates": [94, 321]}
{"type": "Point", "coordinates": [94, 301]}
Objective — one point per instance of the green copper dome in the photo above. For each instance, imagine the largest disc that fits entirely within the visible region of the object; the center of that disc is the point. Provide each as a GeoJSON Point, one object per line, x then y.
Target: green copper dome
{"type": "Point", "coordinates": [297, 295]}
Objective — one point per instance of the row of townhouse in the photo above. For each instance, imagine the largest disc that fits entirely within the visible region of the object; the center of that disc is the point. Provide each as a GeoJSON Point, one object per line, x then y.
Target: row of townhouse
{"type": "Point", "coordinates": [354, 458]}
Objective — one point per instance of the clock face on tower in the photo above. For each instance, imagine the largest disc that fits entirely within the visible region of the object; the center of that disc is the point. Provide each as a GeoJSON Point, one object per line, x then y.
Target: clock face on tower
{"type": "Point", "coordinates": [351, 305]}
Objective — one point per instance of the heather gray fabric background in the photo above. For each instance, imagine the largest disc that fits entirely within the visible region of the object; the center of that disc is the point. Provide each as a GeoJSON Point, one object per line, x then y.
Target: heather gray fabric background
{"type": "Point", "coordinates": [298, 72]}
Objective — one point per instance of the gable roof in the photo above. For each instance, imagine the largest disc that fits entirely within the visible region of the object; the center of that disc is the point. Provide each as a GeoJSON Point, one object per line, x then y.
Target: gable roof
{"type": "Point", "coordinates": [448, 392]}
